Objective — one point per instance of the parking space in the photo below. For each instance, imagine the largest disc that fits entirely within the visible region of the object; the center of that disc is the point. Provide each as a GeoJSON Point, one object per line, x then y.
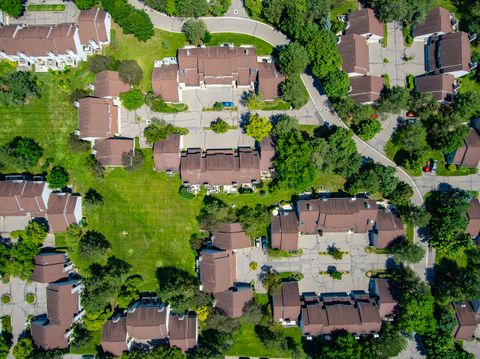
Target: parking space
{"type": "Point", "coordinates": [356, 262]}
{"type": "Point", "coordinates": [70, 15]}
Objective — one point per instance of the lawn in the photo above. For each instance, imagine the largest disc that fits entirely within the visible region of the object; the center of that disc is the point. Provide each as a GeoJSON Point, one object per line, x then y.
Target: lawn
{"type": "Point", "coordinates": [447, 4]}
{"type": "Point", "coordinates": [263, 47]}
{"type": "Point", "coordinates": [343, 7]}
{"type": "Point", "coordinates": [46, 7]}
{"type": "Point", "coordinates": [276, 105]}
{"type": "Point", "coordinates": [468, 83]}
{"type": "Point", "coordinates": [90, 347]}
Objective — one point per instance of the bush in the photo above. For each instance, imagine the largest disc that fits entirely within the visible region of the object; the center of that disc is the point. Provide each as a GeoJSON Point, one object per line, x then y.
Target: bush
{"type": "Point", "coordinates": [184, 193]}
{"type": "Point", "coordinates": [99, 63]}
{"type": "Point", "coordinates": [253, 265]}
{"type": "Point", "coordinates": [78, 94]}
{"type": "Point", "coordinates": [410, 83]}
{"type": "Point", "coordinates": [219, 126]}
{"type": "Point", "coordinates": [133, 160]}
{"type": "Point", "coordinates": [194, 31]}
{"type": "Point", "coordinates": [218, 106]}
{"type": "Point", "coordinates": [258, 127]}
{"type": "Point", "coordinates": [30, 298]}
{"type": "Point", "coordinates": [22, 153]}
{"type": "Point", "coordinates": [336, 275]}
{"type": "Point", "coordinates": [93, 198]}
{"type": "Point", "coordinates": [18, 87]}
{"type": "Point", "coordinates": [367, 129]}
{"type": "Point", "coordinates": [6, 299]}
{"type": "Point", "coordinates": [207, 37]}
{"type": "Point", "coordinates": [159, 130]}
{"type": "Point", "coordinates": [132, 99]}
{"type": "Point", "coordinates": [57, 178]}
{"type": "Point", "coordinates": [75, 144]}
{"type": "Point", "coordinates": [335, 252]}
{"type": "Point", "coordinates": [130, 72]}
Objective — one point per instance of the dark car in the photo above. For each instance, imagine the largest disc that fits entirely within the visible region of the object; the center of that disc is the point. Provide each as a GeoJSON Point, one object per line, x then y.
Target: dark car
{"type": "Point", "coordinates": [264, 245]}
{"type": "Point", "coordinates": [227, 104]}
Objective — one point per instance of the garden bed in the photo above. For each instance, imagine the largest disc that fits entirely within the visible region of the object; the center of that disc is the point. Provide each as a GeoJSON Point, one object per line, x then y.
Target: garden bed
{"type": "Point", "coordinates": [276, 105]}
{"type": "Point", "coordinates": [278, 253]}
{"type": "Point", "coordinates": [46, 7]}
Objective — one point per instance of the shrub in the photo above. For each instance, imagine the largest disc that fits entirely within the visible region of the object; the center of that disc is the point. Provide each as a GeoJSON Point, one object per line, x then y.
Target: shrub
{"type": "Point", "coordinates": [219, 126]}
{"type": "Point", "coordinates": [159, 130]}
{"type": "Point", "coordinates": [93, 164]}
{"type": "Point", "coordinates": [410, 83]}
{"type": "Point", "coordinates": [165, 44]}
{"type": "Point", "coordinates": [218, 106]}
{"type": "Point", "coordinates": [78, 94]}
{"type": "Point", "coordinates": [132, 99]}
{"type": "Point", "coordinates": [194, 30]}
{"type": "Point", "coordinates": [130, 72]}
{"type": "Point", "coordinates": [258, 127]}
{"type": "Point", "coordinates": [336, 275]}
{"type": "Point", "coordinates": [57, 178]}
{"type": "Point", "coordinates": [207, 37]}
{"type": "Point", "coordinates": [6, 299]}
{"type": "Point", "coordinates": [99, 63]}
{"type": "Point", "coordinates": [184, 193]}
{"type": "Point", "coordinates": [335, 252]}
{"type": "Point", "coordinates": [75, 144]}
{"type": "Point", "coordinates": [253, 265]}
{"type": "Point", "coordinates": [93, 198]}
{"type": "Point", "coordinates": [22, 153]}
{"type": "Point", "coordinates": [30, 298]}
{"type": "Point", "coordinates": [133, 160]}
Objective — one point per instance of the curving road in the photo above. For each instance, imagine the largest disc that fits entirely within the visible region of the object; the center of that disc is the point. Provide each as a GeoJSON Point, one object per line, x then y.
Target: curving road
{"type": "Point", "coordinates": [276, 38]}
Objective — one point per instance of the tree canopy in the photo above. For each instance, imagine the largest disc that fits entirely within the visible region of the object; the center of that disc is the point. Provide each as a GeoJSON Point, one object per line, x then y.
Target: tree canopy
{"type": "Point", "coordinates": [12, 7]}
{"type": "Point", "coordinates": [194, 31]}
{"type": "Point", "coordinates": [18, 87]}
{"type": "Point", "coordinates": [57, 178]}
{"type": "Point", "coordinates": [130, 72]}
{"type": "Point", "coordinates": [132, 99]}
{"type": "Point", "coordinates": [258, 127]}
{"type": "Point", "coordinates": [293, 59]}
{"type": "Point", "coordinates": [294, 92]}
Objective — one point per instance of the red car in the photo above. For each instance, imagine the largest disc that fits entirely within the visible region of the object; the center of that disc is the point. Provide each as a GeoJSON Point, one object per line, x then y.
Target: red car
{"type": "Point", "coordinates": [427, 167]}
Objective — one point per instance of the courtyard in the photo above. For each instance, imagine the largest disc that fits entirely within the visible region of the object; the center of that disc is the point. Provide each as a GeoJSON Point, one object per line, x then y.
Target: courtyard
{"type": "Point", "coordinates": [355, 263]}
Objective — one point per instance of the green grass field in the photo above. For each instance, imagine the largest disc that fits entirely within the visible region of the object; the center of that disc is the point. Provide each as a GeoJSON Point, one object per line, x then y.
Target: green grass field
{"type": "Point", "coordinates": [45, 7]}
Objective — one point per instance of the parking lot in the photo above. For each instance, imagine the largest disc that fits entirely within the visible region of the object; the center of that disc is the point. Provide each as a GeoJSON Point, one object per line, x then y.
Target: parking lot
{"type": "Point", "coordinates": [356, 262]}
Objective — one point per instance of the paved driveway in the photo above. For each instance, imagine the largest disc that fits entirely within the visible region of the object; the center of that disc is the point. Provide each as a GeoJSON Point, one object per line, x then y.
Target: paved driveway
{"type": "Point", "coordinates": [357, 262]}
{"type": "Point", "coordinates": [48, 17]}
{"type": "Point", "coordinates": [396, 53]}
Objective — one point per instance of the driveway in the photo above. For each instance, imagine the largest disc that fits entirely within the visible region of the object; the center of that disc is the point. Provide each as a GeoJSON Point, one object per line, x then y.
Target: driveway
{"type": "Point", "coordinates": [48, 17]}
{"type": "Point", "coordinates": [402, 61]}
{"type": "Point", "coordinates": [19, 310]}
{"type": "Point", "coordinates": [357, 262]}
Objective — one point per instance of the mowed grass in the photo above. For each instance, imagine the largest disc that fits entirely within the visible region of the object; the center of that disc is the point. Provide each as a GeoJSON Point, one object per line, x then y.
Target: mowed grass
{"type": "Point", "coordinates": [263, 47]}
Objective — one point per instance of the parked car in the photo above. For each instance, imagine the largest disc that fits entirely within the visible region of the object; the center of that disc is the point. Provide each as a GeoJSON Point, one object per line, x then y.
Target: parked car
{"type": "Point", "coordinates": [228, 104]}
{"type": "Point", "coordinates": [426, 168]}
{"type": "Point", "coordinates": [264, 245]}
{"type": "Point", "coordinates": [434, 167]}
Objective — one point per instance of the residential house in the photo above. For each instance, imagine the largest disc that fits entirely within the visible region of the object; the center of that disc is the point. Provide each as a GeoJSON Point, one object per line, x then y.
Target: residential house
{"type": "Point", "coordinates": [439, 21]}
{"type": "Point", "coordinates": [94, 29]}
{"type": "Point", "coordinates": [286, 304]}
{"type": "Point", "coordinates": [115, 339]}
{"type": "Point", "coordinates": [449, 54]}
{"type": "Point", "coordinates": [217, 270]}
{"type": "Point", "coordinates": [108, 84]}
{"type": "Point", "coordinates": [473, 215]}
{"type": "Point", "coordinates": [366, 89]}
{"type": "Point", "coordinates": [386, 292]}
{"type": "Point", "coordinates": [441, 86]}
{"type": "Point", "coordinates": [98, 118]}
{"type": "Point", "coordinates": [110, 152]}
{"type": "Point", "coordinates": [183, 331]}
{"type": "Point", "coordinates": [232, 301]}
{"type": "Point", "coordinates": [387, 229]}
{"type": "Point", "coordinates": [354, 51]}
{"type": "Point", "coordinates": [269, 80]}
{"type": "Point", "coordinates": [284, 231]}
{"type": "Point", "coordinates": [166, 153]}
{"type": "Point", "coordinates": [231, 236]}
{"type": "Point", "coordinates": [267, 154]}
{"type": "Point", "coordinates": [54, 330]}
{"type": "Point", "coordinates": [165, 81]}
{"type": "Point", "coordinates": [364, 23]}
{"type": "Point", "coordinates": [466, 321]}
{"type": "Point", "coordinates": [51, 267]}
{"type": "Point", "coordinates": [148, 321]}
{"type": "Point", "coordinates": [63, 209]}
{"type": "Point", "coordinates": [469, 154]}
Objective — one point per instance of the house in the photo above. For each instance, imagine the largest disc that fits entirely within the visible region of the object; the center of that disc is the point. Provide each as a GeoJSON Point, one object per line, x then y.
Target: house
{"type": "Point", "coordinates": [441, 86]}
{"type": "Point", "coordinates": [183, 331]}
{"type": "Point", "coordinates": [220, 167]}
{"type": "Point", "coordinates": [354, 51]}
{"type": "Point", "coordinates": [22, 198]}
{"type": "Point", "coordinates": [267, 154]}
{"type": "Point", "coordinates": [469, 154]}
{"type": "Point", "coordinates": [232, 301]}
{"type": "Point", "coordinates": [336, 215]}
{"type": "Point", "coordinates": [42, 47]}
{"type": "Point", "coordinates": [386, 292]}
{"type": "Point", "coordinates": [217, 270]}
{"type": "Point", "coordinates": [98, 118]}
{"type": "Point", "coordinates": [269, 80]}
{"type": "Point", "coordinates": [449, 54]}
{"type": "Point", "coordinates": [201, 67]}
{"type": "Point", "coordinates": [63, 210]}
{"type": "Point", "coordinates": [166, 153]}
{"type": "Point", "coordinates": [50, 267]}
{"type": "Point", "coordinates": [110, 152]}
{"type": "Point", "coordinates": [473, 215]}
{"type": "Point", "coordinates": [354, 316]}
{"type": "Point", "coordinates": [94, 29]}
{"type": "Point", "coordinates": [115, 339]}
{"type": "Point", "coordinates": [439, 21]}
{"type": "Point", "coordinates": [387, 229]}
{"type": "Point", "coordinates": [286, 304]}
{"type": "Point", "coordinates": [364, 23]}
{"type": "Point", "coordinates": [54, 330]}
{"type": "Point", "coordinates": [148, 321]}
{"type": "Point", "coordinates": [366, 89]}
{"type": "Point", "coordinates": [284, 231]}
{"type": "Point", "coordinates": [108, 84]}
{"type": "Point", "coordinates": [231, 236]}
{"type": "Point", "coordinates": [466, 321]}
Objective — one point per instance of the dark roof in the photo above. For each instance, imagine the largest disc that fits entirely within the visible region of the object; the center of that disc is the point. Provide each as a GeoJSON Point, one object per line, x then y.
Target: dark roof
{"type": "Point", "coordinates": [165, 82]}
{"type": "Point", "coordinates": [183, 331]}
{"type": "Point", "coordinates": [354, 51]}
{"type": "Point", "coordinates": [366, 89]}
{"type": "Point", "coordinates": [269, 80]}
{"type": "Point", "coordinates": [231, 236]}
{"type": "Point", "coordinates": [469, 154]}
{"type": "Point", "coordinates": [233, 301]}
{"type": "Point", "coordinates": [450, 53]}
{"type": "Point", "coordinates": [437, 21]}
{"type": "Point", "coordinates": [110, 151]}
{"type": "Point", "coordinates": [49, 267]}
{"type": "Point", "coordinates": [148, 321]}
{"type": "Point", "coordinates": [17, 198]}
{"type": "Point", "coordinates": [109, 84]}
{"type": "Point", "coordinates": [61, 210]}
{"type": "Point", "coordinates": [363, 22]}
{"type": "Point", "coordinates": [440, 85]}
{"type": "Point", "coordinates": [97, 117]}
{"type": "Point", "coordinates": [91, 24]}
{"type": "Point", "coordinates": [217, 270]}
{"type": "Point", "coordinates": [114, 336]}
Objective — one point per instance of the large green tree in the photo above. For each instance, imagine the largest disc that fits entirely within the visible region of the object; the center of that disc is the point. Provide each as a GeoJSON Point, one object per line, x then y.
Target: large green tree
{"type": "Point", "coordinates": [194, 31]}
{"type": "Point", "coordinates": [336, 84]}
{"type": "Point", "coordinates": [411, 137]}
{"type": "Point", "coordinates": [57, 178]}
{"type": "Point", "coordinates": [22, 153]}
{"type": "Point", "coordinates": [191, 8]}
{"type": "Point", "coordinates": [342, 157]}
{"type": "Point", "coordinates": [18, 87]}
{"type": "Point", "coordinates": [12, 7]}
{"type": "Point", "coordinates": [293, 59]}
{"type": "Point", "coordinates": [130, 72]}
{"type": "Point", "coordinates": [85, 4]}
{"type": "Point", "coordinates": [294, 92]}
{"type": "Point", "coordinates": [446, 132]}
{"type": "Point", "coordinates": [258, 127]}
{"type": "Point", "coordinates": [133, 99]}
{"type": "Point", "coordinates": [254, 220]}
{"type": "Point", "coordinates": [394, 99]}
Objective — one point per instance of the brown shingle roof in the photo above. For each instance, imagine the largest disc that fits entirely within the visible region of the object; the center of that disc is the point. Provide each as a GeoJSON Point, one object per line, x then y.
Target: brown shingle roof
{"type": "Point", "coordinates": [269, 80]}
{"type": "Point", "coordinates": [61, 211]}
{"type": "Point", "coordinates": [110, 151]}
{"type": "Point", "coordinates": [386, 290]}
{"type": "Point", "coordinates": [389, 228]}
{"type": "Point", "coordinates": [440, 85]}
{"type": "Point", "coordinates": [109, 84]}
{"type": "Point", "coordinates": [469, 154]}
{"type": "Point", "coordinates": [466, 321]}
{"type": "Point", "coordinates": [183, 331]}
{"type": "Point", "coordinates": [365, 89]}
{"type": "Point", "coordinates": [286, 303]}
{"type": "Point", "coordinates": [148, 321]}
{"type": "Point", "coordinates": [364, 22]}
{"type": "Point", "coordinates": [284, 231]}
{"type": "Point", "coordinates": [97, 117]}
{"type": "Point", "coordinates": [217, 270]}
{"type": "Point", "coordinates": [233, 301]}
{"type": "Point", "coordinates": [17, 198]}
{"type": "Point", "coordinates": [114, 336]}
{"type": "Point", "coordinates": [437, 21]}
{"type": "Point", "coordinates": [91, 24]}
{"type": "Point", "coordinates": [48, 336]}
{"type": "Point", "coordinates": [473, 215]}
{"type": "Point", "coordinates": [165, 82]}
{"type": "Point", "coordinates": [49, 267]}
{"type": "Point", "coordinates": [231, 236]}
{"type": "Point", "coordinates": [454, 53]}
{"type": "Point", "coordinates": [354, 51]}
{"type": "Point", "coordinates": [166, 153]}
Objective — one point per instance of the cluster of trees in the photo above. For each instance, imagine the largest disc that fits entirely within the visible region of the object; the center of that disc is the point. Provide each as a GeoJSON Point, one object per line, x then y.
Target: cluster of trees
{"type": "Point", "coordinates": [25, 349]}
{"type": "Point", "coordinates": [159, 130]}
{"type": "Point", "coordinates": [129, 70]}
{"type": "Point", "coordinates": [91, 246]}
{"type": "Point", "coordinates": [21, 153]}
{"type": "Point", "coordinates": [157, 352]}
{"type": "Point", "coordinates": [403, 11]}
{"type": "Point", "coordinates": [196, 32]}
{"type": "Point", "coordinates": [190, 8]}
{"type": "Point", "coordinates": [133, 21]}
{"type": "Point", "coordinates": [12, 7]}
{"type": "Point", "coordinates": [18, 88]}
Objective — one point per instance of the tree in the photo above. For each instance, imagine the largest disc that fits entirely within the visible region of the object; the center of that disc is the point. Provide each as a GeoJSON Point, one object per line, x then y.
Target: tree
{"type": "Point", "coordinates": [93, 247]}
{"type": "Point", "coordinates": [130, 72]}
{"type": "Point", "coordinates": [336, 84]}
{"type": "Point", "coordinates": [132, 99]}
{"type": "Point", "coordinates": [470, 12]}
{"type": "Point", "coordinates": [133, 160]}
{"type": "Point", "coordinates": [214, 212]}
{"type": "Point", "coordinates": [423, 104]}
{"type": "Point", "coordinates": [254, 7]}
{"type": "Point", "coordinates": [406, 252]}
{"type": "Point", "coordinates": [293, 59]}
{"type": "Point", "coordinates": [191, 8]}
{"type": "Point", "coordinates": [283, 125]}
{"type": "Point", "coordinates": [219, 126]}
{"type": "Point", "coordinates": [22, 254]}
{"type": "Point", "coordinates": [254, 220]}
{"type": "Point", "coordinates": [367, 129]}
{"type": "Point", "coordinates": [35, 232]}
{"type": "Point", "coordinates": [342, 157]}
{"type": "Point", "coordinates": [273, 10]}
{"type": "Point", "coordinates": [99, 63]}
{"type": "Point", "coordinates": [194, 31]}
{"type": "Point", "coordinates": [415, 216]}
{"type": "Point", "coordinates": [160, 352]}
{"type": "Point", "coordinates": [73, 234]}
{"type": "Point", "coordinates": [57, 178]}
{"type": "Point", "coordinates": [394, 100]}
{"type": "Point", "coordinates": [94, 320]}
{"type": "Point", "coordinates": [446, 132]}
{"type": "Point", "coordinates": [93, 198]}
{"type": "Point", "coordinates": [12, 7]}
{"type": "Point", "coordinates": [4, 259]}
{"type": "Point", "coordinates": [272, 281]}
{"type": "Point", "coordinates": [467, 105]}
{"type": "Point", "coordinates": [159, 130]}
{"type": "Point", "coordinates": [18, 87]}
{"type": "Point", "coordinates": [390, 343]}
{"type": "Point", "coordinates": [294, 92]}
{"type": "Point", "coordinates": [374, 177]}
{"type": "Point", "coordinates": [4, 347]}
{"type": "Point", "coordinates": [258, 127]}
{"type": "Point", "coordinates": [219, 321]}
{"type": "Point", "coordinates": [321, 46]}
{"type": "Point", "coordinates": [23, 152]}
{"type": "Point", "coordinates": [85, 4]}
{"type": "Point", "coordinates": [408, 11]}
{"type": "Point", "coordinates": [342, 345]}
{"type": "Point", "coordinates": [129, 292]}
{"type": "Point", "coordinates": [24, 349]}
{"type": "Point", "coordinates": [411, 137]}
{"type": "Point", "coordinates": [402, 194]}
